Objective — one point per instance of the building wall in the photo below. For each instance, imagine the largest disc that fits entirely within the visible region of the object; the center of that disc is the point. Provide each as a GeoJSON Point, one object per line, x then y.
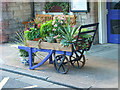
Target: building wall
{"type": "Point", "coordinates": [13, 14]}
{"type": "Point", "coordinates": [90, 17]}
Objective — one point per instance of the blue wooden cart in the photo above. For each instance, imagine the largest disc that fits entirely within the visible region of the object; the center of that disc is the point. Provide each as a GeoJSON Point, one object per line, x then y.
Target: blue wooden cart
{"type": "Point", "coordinates": [62, 61]}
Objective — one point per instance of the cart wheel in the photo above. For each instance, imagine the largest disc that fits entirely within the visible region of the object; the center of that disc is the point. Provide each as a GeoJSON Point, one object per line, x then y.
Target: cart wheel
{"type": "Point", "coordinates": [77, 59]}
{"type": "Point", "coordinates": [61, 64]}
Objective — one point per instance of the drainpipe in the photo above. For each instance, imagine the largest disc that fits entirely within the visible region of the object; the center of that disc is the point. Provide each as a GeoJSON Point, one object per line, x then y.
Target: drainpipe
{"type": "Point", "coordinates": [32, 10]}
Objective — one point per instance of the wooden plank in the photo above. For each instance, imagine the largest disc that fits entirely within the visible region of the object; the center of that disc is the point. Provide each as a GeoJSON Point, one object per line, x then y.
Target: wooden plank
{"type": "Point", "coordinates": [47, 45]}
{"type": "Point", "coordinates": [31, 43]}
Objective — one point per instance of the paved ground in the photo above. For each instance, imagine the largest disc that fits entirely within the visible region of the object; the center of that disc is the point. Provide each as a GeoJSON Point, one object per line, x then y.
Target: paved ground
{"type": "Point", "coordinates": [100, 71]}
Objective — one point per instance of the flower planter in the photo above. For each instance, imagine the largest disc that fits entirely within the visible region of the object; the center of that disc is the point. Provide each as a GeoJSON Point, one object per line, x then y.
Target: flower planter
{"type": "Point", "coordinates": [47, 45]}
{"type": "Point", "coordinates": [36, 39]}
{"type": "Point", "coordinates": [53, 46]}
{"type": "Point", "coordinates": [58, 40]}
{"type": "Point", "coordinates": [25, 60]}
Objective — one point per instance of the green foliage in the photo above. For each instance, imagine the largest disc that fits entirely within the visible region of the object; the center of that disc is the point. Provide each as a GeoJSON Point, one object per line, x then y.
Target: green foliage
{"type": "Point", "coordinates": [59, 21]}
{"type": "Point", "coordinates": [85, 29]}
{"type": "Point", "coordinates": [46, 28]}
{"type": "Point", "coordinates": [68, 34]}
{"type": "Point", "coordinates": [24, 53]}
{"type": "Point", "coordinates": [50, 38]}
{"type": "Point", "coordinates": [20, 38]}
{"type": "Point", "coordinates": [65, 6]}
{"type": "Point", "coordinates": [87, 36]}
{"type": "Point", "coordinates": [32, 33]}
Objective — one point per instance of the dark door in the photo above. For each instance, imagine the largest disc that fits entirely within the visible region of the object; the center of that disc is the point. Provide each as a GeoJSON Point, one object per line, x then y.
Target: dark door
{"type": "Point", "coordinates": [113, 21]}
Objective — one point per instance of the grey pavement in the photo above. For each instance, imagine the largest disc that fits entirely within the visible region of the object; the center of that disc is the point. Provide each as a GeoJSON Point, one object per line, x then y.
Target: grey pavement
{"type": "Point", "coordinates": [100, 70]}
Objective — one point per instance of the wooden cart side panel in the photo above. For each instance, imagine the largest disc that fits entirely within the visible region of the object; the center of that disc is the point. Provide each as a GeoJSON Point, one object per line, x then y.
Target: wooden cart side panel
{"type": "Point", "coordinates": [47, 45]}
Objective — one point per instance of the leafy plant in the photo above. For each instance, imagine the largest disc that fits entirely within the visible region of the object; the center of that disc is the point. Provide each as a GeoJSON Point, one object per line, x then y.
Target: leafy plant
{"type": "Point", "coordinates": [24, 53]}
{"type": "Point", "coordinates": [32, 33]}
{"type": "Point", "coordinates": [50, 38]}
{"type": "Point", "coordinates": [68, 34]}
{"type": "Point", "coordinates": [46, 28]}
{"type": "Point", "coordinates": [85, 39]}
{"type": "Point", "coordinates": [59, 21]}
{"type": "Point", "coordinates": [21, 40]}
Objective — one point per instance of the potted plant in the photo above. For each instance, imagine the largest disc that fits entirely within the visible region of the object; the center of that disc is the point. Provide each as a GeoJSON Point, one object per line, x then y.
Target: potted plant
{"type": "Point", "coordinates": [50, 38]}
{"type": "Point", "coordinates": [22, 41]}
{"type": "Point", "coordinates": [68, 35]}
{"type": "Point", "coordinates": [24, 55]}
{"type": "Point", "coordinates": [57, 7]}
{"type": "Point", "coordinates": [33, 33]}
{"type": "Point", "coordinates": [58, 38]}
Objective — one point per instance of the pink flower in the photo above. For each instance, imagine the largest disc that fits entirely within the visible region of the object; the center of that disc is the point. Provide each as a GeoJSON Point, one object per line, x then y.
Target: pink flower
{"type": "Point", "coordinates": [73, 25]}
{"type": "Point", "coordinates": [58, 16]}
{"type": "Point", "coordinates": [55, 16]}
{"type": "Point", "coordinates": [61, 22]}
{"type": "Point", "coordinates": [54, 29]}
{"type": "Point", "coordinates": [62, 15]}
{"type": "Point", "coordinates": [55, 36]}
{"type": "Point", "coordinates": [53, 22]}
{"type": "Point", "coordinates": [62, 18]}
{"type": "Point", "coordinates": [55, 25]}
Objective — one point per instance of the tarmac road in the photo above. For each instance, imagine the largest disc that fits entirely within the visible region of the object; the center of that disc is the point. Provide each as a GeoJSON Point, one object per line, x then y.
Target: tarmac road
{"type": "Point", "coordinates": [21, 81]}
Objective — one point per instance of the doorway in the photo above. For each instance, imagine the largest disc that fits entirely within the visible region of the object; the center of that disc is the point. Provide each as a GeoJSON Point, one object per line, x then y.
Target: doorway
{"type": "Point", "coordinates": [113, 21]}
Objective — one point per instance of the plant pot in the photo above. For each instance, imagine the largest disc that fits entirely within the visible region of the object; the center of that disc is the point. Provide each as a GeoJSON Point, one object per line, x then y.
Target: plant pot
{"type": "Point", "coordinates": [25, 60]}
{"type": "Point", "coordinates": [58, 40]}
{"type": "Point", "coordinates": [36, 39]}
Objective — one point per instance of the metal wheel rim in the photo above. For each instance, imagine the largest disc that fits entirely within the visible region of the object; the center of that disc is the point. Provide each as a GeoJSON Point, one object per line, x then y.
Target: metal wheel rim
{"type": "Point", "coordinates": [80, 63]}
{"type": "Point", "coordinates": [59, 65]}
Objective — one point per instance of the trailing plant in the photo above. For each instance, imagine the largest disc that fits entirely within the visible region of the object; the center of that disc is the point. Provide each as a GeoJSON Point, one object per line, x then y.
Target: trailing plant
{"type": "Point", "coordinates": [65, 6]}
{"type": "Point", "coordinates": [21, 40]}
{"type": "Point", "coordinates": [24, 53]}
{"type": "Point", "coordinates": [85, 39]}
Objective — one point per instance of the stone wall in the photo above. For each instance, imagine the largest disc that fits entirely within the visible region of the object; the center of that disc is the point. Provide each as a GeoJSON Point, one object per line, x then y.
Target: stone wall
{"type": "Point", "coordinates": [13, 14]}
{"type": "Point", "coordinates": [38, 7]}
{"type": "Point", "coordinates": [90, 17]}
